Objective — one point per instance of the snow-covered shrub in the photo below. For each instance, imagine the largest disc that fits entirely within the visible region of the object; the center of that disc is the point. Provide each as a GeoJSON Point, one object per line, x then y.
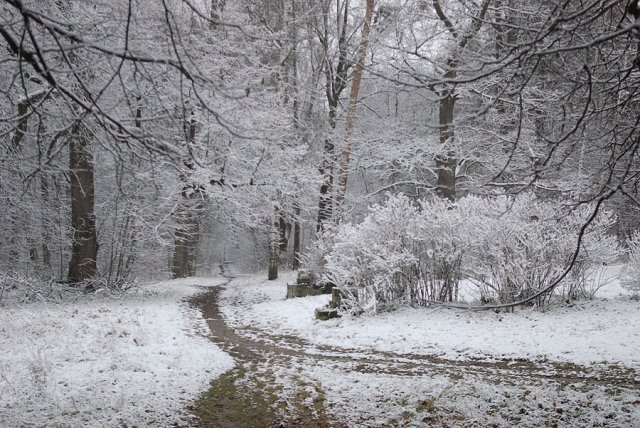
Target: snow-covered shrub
{"type": "Point", "coordinates": [527, 244]}
{"type": "Point", "coordinates": [408, 252]}
{"type": "Point", "coordinates": [16, 286]}
{"type": "Point", "coordinates": [439, 239]}
{"type": "Point", "coordinates": [373, 263]}
{"type": "Point", "coordinates": [313, 258]}
{"type": "Point", "coordinates": [403, 253]}
{"type": "Point", "coordinates": [630, 279]}
{"type": "Point", "coordinates": [24, 288]}
{"type": "Point", "coordinates": [598, 249]}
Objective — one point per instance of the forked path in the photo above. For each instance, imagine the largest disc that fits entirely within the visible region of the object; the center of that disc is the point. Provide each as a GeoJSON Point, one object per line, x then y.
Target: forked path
{"type": "Point", "coordinates": [287, 381]}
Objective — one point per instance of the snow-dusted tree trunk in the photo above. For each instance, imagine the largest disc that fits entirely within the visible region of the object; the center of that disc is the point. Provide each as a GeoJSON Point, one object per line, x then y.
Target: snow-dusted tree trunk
{"type": "Point", "coordinates": [215, 13]}
{"type": "Point", "coordinates": [353, 105]}
{"type": "Point", "coordinates": [187, 233]}
{"type": "Point", "coordinates": [185, 251]}
{"type": "Point", "coordinates": [84, 247]}
{"type": "Point", "coordinates": [336, 76]}
{"type": "Point", "coordinates": [274, 246]}
{"type": "Point", "coordinates": [22, 223]}
{"type": "Point", "coordinates": [297, 232]}
{"type": "Point", "coordinates": [446, 162]}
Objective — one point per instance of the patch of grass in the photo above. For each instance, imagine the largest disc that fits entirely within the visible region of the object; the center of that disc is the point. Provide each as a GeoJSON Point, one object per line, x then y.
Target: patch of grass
{"type": "Point", "coordinates": [407, 415]}
{"type": "Point", "coordinates": [245, 397]}
{"type": "Point", "coordinates": [229, 402]}
{"type": "Point", "coordinates": [613, 392]}
{"type": "Point", "coordinates": [428, 406]}
{"type": "Point", "coordinates": [309, 406]}
{"type": "Point", "coordinates": [436, 415]}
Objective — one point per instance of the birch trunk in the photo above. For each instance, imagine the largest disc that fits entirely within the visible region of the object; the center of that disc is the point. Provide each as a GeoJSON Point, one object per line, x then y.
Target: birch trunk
{"type": "Point", "coordinates": [353, 105]}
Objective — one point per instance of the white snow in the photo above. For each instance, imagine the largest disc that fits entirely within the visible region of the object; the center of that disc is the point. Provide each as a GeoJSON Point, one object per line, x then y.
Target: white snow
{"type": "Point", "coordinates": [606, 329]}
{"type": "Point", "coordinates": [373, 400]}
{"type": "Point", "coordinates": [98, 361]}
{"type": "Point", "coordinates": [603, 329]}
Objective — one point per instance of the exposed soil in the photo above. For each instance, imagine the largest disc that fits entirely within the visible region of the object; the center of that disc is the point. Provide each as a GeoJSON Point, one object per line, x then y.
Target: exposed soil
{"type": "Point", "coordinates": [252, 395]}
{"type": "Point", "coordinates": [267, 388]}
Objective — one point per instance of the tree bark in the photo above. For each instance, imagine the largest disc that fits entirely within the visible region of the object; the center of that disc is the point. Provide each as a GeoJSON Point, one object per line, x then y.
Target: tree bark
{"type": "Point", "coordinates": [283, 229]}
{"type": "Point", "coordinates": [185, 252]}
{"type": "Point", "coordinates": [274, 247]}
{"type": "Point", "coordinates": [19, 226]}
{"type": "Point", "coordinates": [295, 265]}
{"type": "Point", "coordinates": [21, 128]}
{"type": "Point", "coordinates": [187, 234]}
{"type": "Point", "coordinates": [353, 105]}
{"type": "Point", "coordinates": [84, 248]}
{"type": "Point", "coordinates": [45, 221]}
{"type": "Point", "coordinates": [325, 206]}
{"type": "Point", "coordinates": [335, 82]}
{"type": "Point", "coordinates": [215, 13]}
{"type": "Point", "coordinates": [274, 261]}
{"type": "Point", "coordinates": [446, 163]}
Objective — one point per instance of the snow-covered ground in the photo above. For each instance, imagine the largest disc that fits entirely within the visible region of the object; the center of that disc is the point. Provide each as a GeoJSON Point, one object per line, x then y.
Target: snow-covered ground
{"type": "Point", "coordinates": [140, 360]}
{"type": "Point", "coordinates": [100, 361]}
{"type": "Point", "coordinates": [606, 329]}
{"type": "Point", "coordinates": [603, 329]}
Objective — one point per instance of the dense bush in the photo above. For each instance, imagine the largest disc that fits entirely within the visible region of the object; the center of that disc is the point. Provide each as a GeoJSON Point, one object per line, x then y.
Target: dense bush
{"type": "Point", "coordinates": [527, 244]}
{"type": "Point", "coordinates": [631, 275]}
{"type": "Point", "coordinates": [409, 252]}
{"type": "Point", "coordinates": [374, 262]}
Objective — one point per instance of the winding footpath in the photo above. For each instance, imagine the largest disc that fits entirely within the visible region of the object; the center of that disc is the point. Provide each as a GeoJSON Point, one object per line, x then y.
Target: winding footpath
{"type": "Point", "coordinates": [281, 381]}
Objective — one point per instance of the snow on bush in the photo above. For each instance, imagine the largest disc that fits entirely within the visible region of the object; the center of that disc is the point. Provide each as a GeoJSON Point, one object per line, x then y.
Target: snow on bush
{"type": "Point", "coordinates": [402, 253]}
{"type": "Point", "coordinates": [527, 244]}
{"type": "Point", "coordinates": [409, 252]}
{"type": "Point", "coordinates": [630, 279]}
{"type": "Point", "coordinates": [374, 262]}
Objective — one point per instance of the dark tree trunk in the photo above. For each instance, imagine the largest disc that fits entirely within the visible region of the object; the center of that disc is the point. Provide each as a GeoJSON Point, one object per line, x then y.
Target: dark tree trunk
{"type": "Point", "coordinates": [21, 129]}
{"type": "Point", "coordinates": [187, 234]}
{"type": "Point", "coordinates": [33, 250]}
{"type": "Point", "coordinates": [335, 82]}
{"type": "Point", "coordinates": [274, 261]}
{"type": "Point", "coordinates": [446, 163]}
{"type": "Point", "coordinates": [283, 229]}
{"type": "Point", "coordinates": [84, 248]}
{"type": "Point", "coordinates": [295, 265]}
{"type": "Point", "coordinates": [325, 206]}
{"type": "Point", "coordinates": [216, 13]}
{"type": "Point", "coordinates": [274, 249]}
{"type": "Point", "coordinates": [185, 252]}
{"type": "Point", "coordinates": [21, 223]}
{"type": "Point", "coordinates": [46, 228]}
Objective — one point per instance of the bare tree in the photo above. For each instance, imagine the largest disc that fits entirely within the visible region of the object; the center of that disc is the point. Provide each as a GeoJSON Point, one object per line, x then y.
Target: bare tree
{"type": "Point", "coordinates": [127, 86]}
{"type": "Point", "coordinates": [336, 65]}
{"type": "Point", "coordinates": [447, 163]}
{"type": "Point", "coordinates": [84, 248]}
{"type": "Point", "coordinates": [353, 104]}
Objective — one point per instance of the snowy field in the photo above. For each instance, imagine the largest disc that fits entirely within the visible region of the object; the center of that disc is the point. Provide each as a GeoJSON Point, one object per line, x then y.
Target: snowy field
{"type": "Point", "coordinates": [140, 361]}
{"type": "Point", "coordinates": [605, 329]}
{"type": "Point", "coordinates": [100, 361]}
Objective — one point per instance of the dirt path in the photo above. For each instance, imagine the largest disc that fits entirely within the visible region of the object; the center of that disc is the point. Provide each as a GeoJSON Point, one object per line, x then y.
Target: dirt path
{"type": "Point", "coordinates": [271, 385]}
{"type": "Point", "coordinates": [251, 395]}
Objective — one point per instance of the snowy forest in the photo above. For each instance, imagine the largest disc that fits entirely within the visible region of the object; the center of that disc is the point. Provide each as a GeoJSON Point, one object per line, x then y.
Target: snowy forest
{"type": "Point", "coordinates": [394, 148]}
{"type": "Point", "coordinates": [169, 167]}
